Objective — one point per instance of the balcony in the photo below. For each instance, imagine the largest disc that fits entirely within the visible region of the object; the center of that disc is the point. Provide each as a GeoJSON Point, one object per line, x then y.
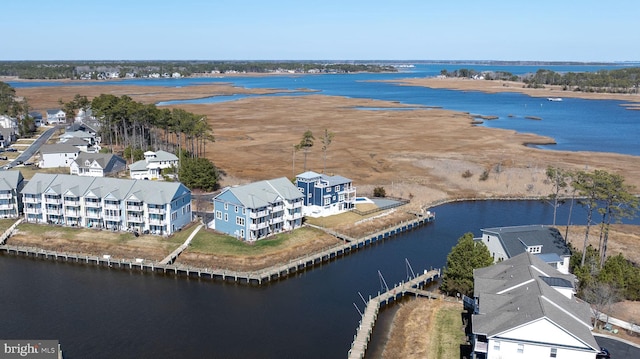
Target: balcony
{"type": "Point", "coordinates": [75, 214]}
{"type": "Point", "coordinates": [33, 210]}
{"type": "Point", "coordinates": [53, 211]}
{"type": "Point", "coordinates": [5, 206]}
{"type": "Point", "coordinates": [157, 210]}
{"type": "Point", "coordinates": [276, 220]}
{"type": "Point", "coordinates": [111, 217]}
{"type": "Point", "coordinates": [135, 219]}
{"type": "Point", "coordinates": [258, 214]}
{"type": "Point", "coordinates": [94, 215]}
{"type": "Point", "coordinates": [29, 199]}
{"type": "Point", "coordinates": [5, 195]}
{"type": "Point", "coordinates": [111, 205]}
{"type": "Point", "coordinates": [278, 208]}
{"type": "Point", "coordinates": [257, 226]}
{"type": "Point", "coordinates": [71, 203]}
{"type": "Point", "coordinates": [156, 222]}
{"type": "Point", "coordinates": [50, 200]}
{"type": "Point", "coordinates": [93, 204]}
{"type": "Point", "coordinates": [137, 208]}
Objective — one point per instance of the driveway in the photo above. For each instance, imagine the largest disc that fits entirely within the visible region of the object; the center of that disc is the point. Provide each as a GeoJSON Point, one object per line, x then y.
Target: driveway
{"type": "Point", "coordinates": [618, 349]}
{"type": "Point", "coordinates": [33, 149]}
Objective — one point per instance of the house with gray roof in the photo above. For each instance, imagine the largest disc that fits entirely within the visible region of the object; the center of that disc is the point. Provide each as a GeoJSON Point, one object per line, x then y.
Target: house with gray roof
{"type": "Point", "coordinates": [56, 116]}
{"type": "Point", "coordinates": [11, 183]}
{"type": "Point", "coordinates": [152, 165]}
{"type": "Point", "coordinates": [544, 241]}
{"type": "Point", "coordinates": [325, 195]}
{"type": "Point", "coordinates": [57, 155]}
{"type": "Point", "coordinates": [107, 203]}
{"type": "Point", "coordinates": [97, 164]}
{"type": "Point", "coordinates": [258, 210]}
{"type": "Point", "coordinates": [523, 309]}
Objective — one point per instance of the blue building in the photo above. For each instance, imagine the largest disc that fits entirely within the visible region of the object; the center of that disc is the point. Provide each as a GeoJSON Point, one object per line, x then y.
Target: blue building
{"type": "Point", "coordinates": [325, 195]}
{"type": "Point", "coordinates": [258, 210]}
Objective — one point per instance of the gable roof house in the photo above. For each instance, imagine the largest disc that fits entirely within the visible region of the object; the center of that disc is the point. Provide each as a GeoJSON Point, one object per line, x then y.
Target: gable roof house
{"type": "Point", "coordinates": [524, 309]}
{"type": "Point", "coordinates": [325, 195]}
{"type": "Point", "coordinates": [11, 183]}
{"type": "Point", "coordinates": [109, 203]}
{"type": "Point", "coordinates": [259, 209]}
{"type": "Point", "coordinates": [80, 143]}
{"type": "Point", "coordinates": [152, 165]}
{"type": "Point", "coordinates": [8, 122]}
{"type": "Point", "coordinates": [57, 155]}
{"type": "Point", "coordinates": [37, 118]}
{"type": "Point", "coordinates": [97, 164]}
{"type": "Point", "coordinates": [544, 241]}
{"type": "Point", "coordinates": [7, 137]}
{"type": "Point", "coordinates": [56, 116]}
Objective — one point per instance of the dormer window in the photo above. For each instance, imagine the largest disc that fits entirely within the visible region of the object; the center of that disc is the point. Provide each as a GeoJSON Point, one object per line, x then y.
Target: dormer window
{"type": "Point", "coordinates": [534, 249]}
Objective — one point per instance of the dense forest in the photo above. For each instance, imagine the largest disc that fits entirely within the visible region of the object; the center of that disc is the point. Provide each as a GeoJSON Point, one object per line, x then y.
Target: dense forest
{"type": "Point", "coordinates": [97, 69]}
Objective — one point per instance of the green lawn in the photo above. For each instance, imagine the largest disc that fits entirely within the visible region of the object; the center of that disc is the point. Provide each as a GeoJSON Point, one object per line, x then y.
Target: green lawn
{"type": "Point", "coordinates": [208, 242]}
{"type": "Point", "coordinates": [449, 334]}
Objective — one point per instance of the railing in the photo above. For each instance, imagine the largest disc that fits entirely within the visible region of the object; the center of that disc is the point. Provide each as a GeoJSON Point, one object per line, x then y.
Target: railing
{"type": "Point", "coordinates": [72, 203]}
{"type": "Point", "coordinates": [6, 206]}
{"type": "Point", "coordinates": [133, 207]}
{"type": "Point", "coordinates": [53, 200]}
{"type": "Point", "coordinates": [258, 225]}
{"type": "Point", "coordinates": [33, 210]}
{"type": "Point", "coordinates": [156, 210]}
{"type": "Point", "coordinates": [135, 219]}
{"type": "Point", "coordinates": [5, 196]}
{"type": "Point", "coordinates": [112, 218]}
{"type": "Point", "coordinates": [93, 204]}
{"type": "Point", "coordinates": [94, 215]}
{"type": "Point", "coordinates": [257, 214]}
{"type": "Point", "coordinates": [157, 222]}
{"type": "Point", "coordinates": [111, 206]}
{"type": "Point", "coordinates": [31, 199]}
{"type": "Point", "coordinates": [72, 213]}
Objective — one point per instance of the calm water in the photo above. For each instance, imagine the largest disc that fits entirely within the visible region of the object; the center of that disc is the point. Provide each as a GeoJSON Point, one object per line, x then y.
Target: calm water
{"type": "Point", "coordinates": [575, 124]}
{"type": "Point", "coordinates": [109, 313]}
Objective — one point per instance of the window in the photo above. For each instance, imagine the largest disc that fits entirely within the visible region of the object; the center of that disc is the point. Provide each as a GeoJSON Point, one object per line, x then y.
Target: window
{"type": "Point", "coordinates": [329, 190]}
{"type": "Point", "coordinates": [226, 206]}
{"type": "Point", "coordinates": [218, 215]}
{"type": "Point", "coordinates": [496, 346]}
{"type": "Point", "coordinates": [337, 188]}
{"type": "Point", "coordinates": [240, 221]}
{"type": "Point", "coordinates": [244, 210]}
{"type": "Point", "coordinates": [327, 201]}
{"type": "Point", "coordinates": [236, 208]}
{"type": "Point", "coordinates": [554, 353]}
{"type": "Point", "coordinates": [309, 195]}
{"type": "Point", "coordinates": [226, 217]}
{"type": "Point", "coordinates": [520, 348]}
{"type": "Point", "coordinates": [301, 189]}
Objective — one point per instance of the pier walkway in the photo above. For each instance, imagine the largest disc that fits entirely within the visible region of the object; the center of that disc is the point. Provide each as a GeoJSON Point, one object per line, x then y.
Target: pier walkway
{"type": "Point", "coordinates": [368, 321]}
{"type": "Point", "coordinates": [168, 265]}
{"type": "Point", "coordinates": [174, 255]}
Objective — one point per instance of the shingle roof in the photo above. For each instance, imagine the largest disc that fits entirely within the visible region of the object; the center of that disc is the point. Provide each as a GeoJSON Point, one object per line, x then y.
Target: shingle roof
{"type": "Point", "coordinates": [515, 240]}
{"type": "Point", "coordinates": [331, 180]}
{"type": "Point", "coordinates": [262, 193]}
{"type": "Point", "coordinates": [106, 160]}
{"type": "Point", "coordinates": [516, 292]}
{"type": "Point", "coordinates": [59, 148]}
{"type": "Point", "coordinates": [9, 180]}
{"type": "Point", "coordinates": [153, 192]}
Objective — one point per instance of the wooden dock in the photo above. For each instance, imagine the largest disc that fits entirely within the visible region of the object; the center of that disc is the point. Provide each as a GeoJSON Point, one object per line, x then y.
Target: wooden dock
{"type": "Point", "coordinates": [368, 321]}
{"type": "Point", "coordinates": [276, 272]}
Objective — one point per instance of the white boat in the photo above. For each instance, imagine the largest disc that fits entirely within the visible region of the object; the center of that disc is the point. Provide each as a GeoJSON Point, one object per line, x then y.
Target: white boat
{"type": "Point", "coordinates": [554, 99]}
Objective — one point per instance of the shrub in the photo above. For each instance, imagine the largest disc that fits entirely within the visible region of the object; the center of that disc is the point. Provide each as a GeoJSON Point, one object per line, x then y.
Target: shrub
{"type": "Point", "coordinates": [484, 176]}
{"type": "Point", "coordinates": [467, 174]}
{"type": "Point", "coordinates": [379, 192]}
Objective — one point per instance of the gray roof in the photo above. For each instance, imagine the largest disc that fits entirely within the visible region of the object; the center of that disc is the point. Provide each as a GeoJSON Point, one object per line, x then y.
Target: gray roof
{"type": "Point", "coordinates": [515, 240]}
{"type": "Point", "coordinates": [513, 293]}
{"type": "Point", "coordinates": [163, 156]}
{"type": "Point", "coordinates": [331, 180]}
{"type": "Point", "coordinates": [10, 180]}
{"type": "Point", "coordinates": [75, 141]}
{"type": "Point", "coordinates": [59, 148]}
{"type": "Point", "coordinates": [263, 193]}
{"type": "Point", "coordinates": [153, 192]}
{"type": "Point", "coordinates": [138, 166]}
{"type": "Point", "coordinates": [107, 161]}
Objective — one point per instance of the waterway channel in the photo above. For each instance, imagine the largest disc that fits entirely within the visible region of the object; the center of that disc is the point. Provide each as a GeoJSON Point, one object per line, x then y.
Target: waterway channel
{"type": "Point", "coordinates": [112, 313]}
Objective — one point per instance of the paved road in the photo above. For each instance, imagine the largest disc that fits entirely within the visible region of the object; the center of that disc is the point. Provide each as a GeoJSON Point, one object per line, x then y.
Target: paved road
{"type": "Point", "coordinates": [35, 146]}
{"type": "Point", "coordinates": [617, 349]}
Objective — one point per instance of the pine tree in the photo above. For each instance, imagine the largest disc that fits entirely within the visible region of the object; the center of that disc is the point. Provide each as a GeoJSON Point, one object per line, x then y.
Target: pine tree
{"type": "Point", "coordinates": [464, 257]}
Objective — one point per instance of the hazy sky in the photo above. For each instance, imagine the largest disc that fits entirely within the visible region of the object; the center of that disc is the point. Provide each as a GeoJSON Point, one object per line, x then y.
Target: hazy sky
{"type": "Point", "coordinates": [545, 30]}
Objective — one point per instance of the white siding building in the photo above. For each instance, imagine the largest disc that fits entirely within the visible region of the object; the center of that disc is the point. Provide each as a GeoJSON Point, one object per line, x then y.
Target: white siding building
{"type": "Point", "coordinates": [152, 165]}
{"type": "Point", "coordinates": [98, 202]}
{"type": "Point", "coordinates": [57, 155]}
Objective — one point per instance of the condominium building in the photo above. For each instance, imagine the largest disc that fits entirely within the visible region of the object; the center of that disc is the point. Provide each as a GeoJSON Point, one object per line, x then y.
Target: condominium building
{"type": "Point", "coordinates": [107, 203]}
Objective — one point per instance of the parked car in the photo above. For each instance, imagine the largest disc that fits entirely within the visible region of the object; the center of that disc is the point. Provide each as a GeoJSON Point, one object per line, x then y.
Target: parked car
{"type": "Point", "coordinates": [11, 149]}
{"type": "Point", "coordinates": [18, 163]}
{"type": "Point", "coordinates": [28, 163]}
{"type": "Point", "coordinates": [3, 158]}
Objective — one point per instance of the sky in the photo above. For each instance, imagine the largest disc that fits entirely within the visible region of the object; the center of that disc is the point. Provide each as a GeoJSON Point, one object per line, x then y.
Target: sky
{"type": "Point", "coordinates": [510, 30]}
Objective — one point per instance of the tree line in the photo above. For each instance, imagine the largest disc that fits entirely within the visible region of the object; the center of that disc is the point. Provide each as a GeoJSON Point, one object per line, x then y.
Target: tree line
{"type": "Point", "coordinates": [625, 80]}
{"type": "Point", "coordinates": [17, 109]}
{"type": "Point", "coordinates": [75, 69]}
{"type": "Point", "coordinates": [602, 279]}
